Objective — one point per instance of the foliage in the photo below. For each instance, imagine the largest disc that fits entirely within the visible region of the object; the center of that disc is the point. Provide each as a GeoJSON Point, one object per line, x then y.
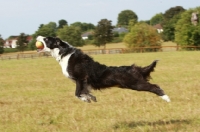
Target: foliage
{"type": "Point", "coordinates": [1, 45]}
{"type": "Point", "coordinates": [90, 37]}
{"type": "Point", "coordinates": [186, 33]}
{"type": "Point", "coordinates": [142, 35]}
{"type": "Point", "coordinates": [171, 16]}
{"type": "Point", "coordinates": [131, 23]}
{"type": "Point", "coordinates": [22, 42]}
{"type": "Point", "coordinates": [83, 26]}
{"type": "Point", "coordinates": [62, 23]}
{"type": "Point", "coordinates": [10, 50]}
{"type": "Point", "coordinates": [41, 25]}
{"type": "Point", "coordinates": [71, 34]}
{"type": "Point", "coordinates": [31, 45]}
{"type": "Point", "coordinates": [157, 19]}
{"type": "Point", "coordinates": [115, 34]}
{"type": "Point", "coordinates": [46, 30]}
{"type": "Point", "coordinates": [170, 13]}
{"type": "Point", "coordinates": [103, 32]}
{"type": "Point", "coordinates": [118, 37]}
{"type": "Point", "coordinates": [144, 21]}
{"type": "Point", "coordinates": [125, 16]}
{"type": "Point", "coordinates": [169, 28]}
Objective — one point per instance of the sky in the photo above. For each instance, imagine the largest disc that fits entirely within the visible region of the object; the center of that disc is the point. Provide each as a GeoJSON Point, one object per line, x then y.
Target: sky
{"type": "Point", "coordinates": [25, 16]}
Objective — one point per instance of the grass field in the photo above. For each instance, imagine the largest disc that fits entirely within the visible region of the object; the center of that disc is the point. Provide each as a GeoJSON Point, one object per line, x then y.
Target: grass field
{"type": "Point", "coordinates": [36, 97]}
{"type": "Point", "coordinates": [108, 46]}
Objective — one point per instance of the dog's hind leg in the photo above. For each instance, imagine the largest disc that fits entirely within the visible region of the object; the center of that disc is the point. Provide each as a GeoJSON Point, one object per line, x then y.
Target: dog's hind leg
{"type": "Point", "coordinates": [146, 86]}
{"type": "Point", "coordinates": [82, 91]}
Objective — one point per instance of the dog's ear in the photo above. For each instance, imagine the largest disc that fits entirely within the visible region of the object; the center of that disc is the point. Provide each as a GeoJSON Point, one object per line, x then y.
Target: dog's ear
{"type": "Point", "coordinates": [58, 41]}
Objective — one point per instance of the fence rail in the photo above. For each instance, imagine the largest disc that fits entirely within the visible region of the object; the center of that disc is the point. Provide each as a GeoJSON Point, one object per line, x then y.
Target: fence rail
{"type": "Point", "coordinates": [23, 56]}
{"type": "Point", "coordinates": [106, 51]}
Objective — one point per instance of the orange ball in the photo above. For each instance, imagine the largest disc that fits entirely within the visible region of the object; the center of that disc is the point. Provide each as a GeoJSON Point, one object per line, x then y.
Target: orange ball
{"type": "Point", "coordinates": [39, 45]}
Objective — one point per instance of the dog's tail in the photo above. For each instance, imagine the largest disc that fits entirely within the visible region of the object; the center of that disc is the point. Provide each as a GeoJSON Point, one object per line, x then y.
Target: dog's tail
{"type": "Point", "coordinates": [145, 71]}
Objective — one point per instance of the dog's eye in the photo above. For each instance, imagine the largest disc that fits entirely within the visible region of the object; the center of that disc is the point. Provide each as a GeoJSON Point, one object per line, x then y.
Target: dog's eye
{"type": "Point", "coordinates": [45, 39]}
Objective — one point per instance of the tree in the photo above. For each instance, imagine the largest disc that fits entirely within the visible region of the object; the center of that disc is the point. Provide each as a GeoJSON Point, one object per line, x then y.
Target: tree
{"type": "Point", "coordinates": [157, 19]}
{"type": "Point", "coordinates": [125, 16]}
{"type": "Point", "coordinates": [142, 35]}
{"type": "Point", "coordinates": [46, 30]}
{"type": "Point", "coordinates": [131, 23]}
{"type": "Point", "coordinates": [170, 13]}
{"type": "Point", "coordinates": [62, 23]}
{"type": "Point", "coordinates": [71, 34]}
{"type": "Point", "coordinates": [1, 45]}
{"type": "Point", "coordinates": [41, 25]}
{"type": "Point", "coordinates": [31, 45]}
{"type": "Point", "coordinates": [22, 42]}
{"type": "Point", "coordinates": [186, 33]}
{"type": "Point", "coordinates": [103, 32]}
{"type": "Point", "coordinates": [83, 26]}
{"type": "Point", "coordinates": [171, 16]}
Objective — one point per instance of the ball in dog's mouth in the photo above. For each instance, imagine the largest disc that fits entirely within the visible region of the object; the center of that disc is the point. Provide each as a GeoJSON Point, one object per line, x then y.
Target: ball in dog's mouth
{"type": "Point", "coordinates": [39, 45]}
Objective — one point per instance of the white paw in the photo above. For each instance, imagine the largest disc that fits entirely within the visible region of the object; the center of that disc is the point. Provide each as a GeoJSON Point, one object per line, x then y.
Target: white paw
{"type": "Point", "coordinates": [84, 98]}
{"type": "Point", "coordinates": [166, 98]}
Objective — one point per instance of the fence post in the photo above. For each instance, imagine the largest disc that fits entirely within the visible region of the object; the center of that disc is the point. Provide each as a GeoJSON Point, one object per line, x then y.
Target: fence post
{"type": "Point", "coordinates": [18, 56]}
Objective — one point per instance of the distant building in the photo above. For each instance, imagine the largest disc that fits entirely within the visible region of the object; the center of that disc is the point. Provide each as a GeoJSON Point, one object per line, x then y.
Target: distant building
{"type": "Point", "coordinates": [11, 42]}
{"type": "Point", "coordinates": [159, 28]}
{"type": "Point", "coordinates": [120, 30]}
{"type": "Point", "coordinates": [85, 35]}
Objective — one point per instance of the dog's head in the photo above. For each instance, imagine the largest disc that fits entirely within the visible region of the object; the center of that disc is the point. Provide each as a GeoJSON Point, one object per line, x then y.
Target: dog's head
{"type": "Point", "coordinates": [51, 43]}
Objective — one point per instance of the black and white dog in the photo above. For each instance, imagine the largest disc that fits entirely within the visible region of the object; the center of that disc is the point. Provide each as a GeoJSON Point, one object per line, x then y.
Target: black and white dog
{"type": "Point", "coordinates": [88, 74]}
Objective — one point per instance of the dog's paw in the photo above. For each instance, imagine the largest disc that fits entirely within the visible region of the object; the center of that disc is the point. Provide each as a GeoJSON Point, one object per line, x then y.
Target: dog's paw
{"type": "Point", "coordinates": [85, 98]}
{"type": "Point", "coordinates": [166, 98]}
{"type": "Point", "coordinates": [93, 98]}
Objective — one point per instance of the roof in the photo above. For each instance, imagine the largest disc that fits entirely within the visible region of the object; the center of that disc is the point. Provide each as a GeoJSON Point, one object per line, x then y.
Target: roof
{"type": "Point", "coordinates": [29, 38]}
{"type": "Point", "coordinates": [86, 34]}
{"type": "Point", "coordinates": [120, 30]}
{"type": "Point", "coordinates": [158, 26]}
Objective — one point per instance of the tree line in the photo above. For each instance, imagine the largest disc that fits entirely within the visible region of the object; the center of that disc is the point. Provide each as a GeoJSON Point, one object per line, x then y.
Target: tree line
{"type": "Point", "coordinates": [176, 23]}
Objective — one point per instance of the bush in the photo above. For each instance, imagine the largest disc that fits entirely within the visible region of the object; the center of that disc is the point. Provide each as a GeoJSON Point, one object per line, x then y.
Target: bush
{"type": "Point", "coordinates": [10, 50]}
{"type": "Point", "coordinates": [1, 50]}
{"type": "Point", "coordinates": [142, 35]}
{"type": "Point", "coordinates": [117, 40]}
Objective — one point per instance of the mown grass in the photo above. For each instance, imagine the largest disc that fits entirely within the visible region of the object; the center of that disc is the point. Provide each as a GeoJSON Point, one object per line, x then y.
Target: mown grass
{"type": "Point", "coordinates": [36, 97]}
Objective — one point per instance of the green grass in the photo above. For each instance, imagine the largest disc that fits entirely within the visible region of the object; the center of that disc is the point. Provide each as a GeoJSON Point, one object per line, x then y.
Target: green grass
{"type": "Point", "coordinates": [36, 97]}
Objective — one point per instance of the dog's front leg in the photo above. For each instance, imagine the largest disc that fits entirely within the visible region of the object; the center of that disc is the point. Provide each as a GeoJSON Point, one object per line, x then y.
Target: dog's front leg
{"type": "Point", "coordinates": [81, 91]}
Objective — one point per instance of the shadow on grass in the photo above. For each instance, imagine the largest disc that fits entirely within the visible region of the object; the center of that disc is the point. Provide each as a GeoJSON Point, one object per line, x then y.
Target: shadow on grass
{"type": "Point", "coordinates": [134, 124]}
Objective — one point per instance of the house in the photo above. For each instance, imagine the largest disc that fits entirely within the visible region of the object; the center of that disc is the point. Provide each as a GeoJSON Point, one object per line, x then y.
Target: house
{"type": "Point", "coordinates": [159, 28]}
{"type": "Point", "coordinates": [11, 42]}
{"type": "Point", "coordinates": [86, 35]}
{"type": "Point", "coordinates": [120, 30]}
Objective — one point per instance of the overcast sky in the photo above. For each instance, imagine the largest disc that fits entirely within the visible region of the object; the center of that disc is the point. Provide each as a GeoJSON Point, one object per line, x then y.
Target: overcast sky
{"type": "Point", "coordinates": [25, 16]}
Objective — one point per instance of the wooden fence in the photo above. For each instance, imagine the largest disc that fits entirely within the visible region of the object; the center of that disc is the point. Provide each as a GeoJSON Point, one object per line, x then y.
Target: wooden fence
{"type": "Point", "coordinates": [142, 49]}
{"type": "Point", "coordinates": [102, 51]}
{"type": "Point", "coordinates": [23, 55]}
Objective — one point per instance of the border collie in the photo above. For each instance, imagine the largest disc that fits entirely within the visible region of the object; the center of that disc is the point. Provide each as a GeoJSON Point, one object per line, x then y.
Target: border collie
{"type": "Point", "coordinates": [89, 74]}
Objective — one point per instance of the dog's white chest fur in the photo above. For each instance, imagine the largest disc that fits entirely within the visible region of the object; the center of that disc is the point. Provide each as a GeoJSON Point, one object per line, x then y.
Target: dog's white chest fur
{"type": "Point", "coordinates": [64, 64]}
